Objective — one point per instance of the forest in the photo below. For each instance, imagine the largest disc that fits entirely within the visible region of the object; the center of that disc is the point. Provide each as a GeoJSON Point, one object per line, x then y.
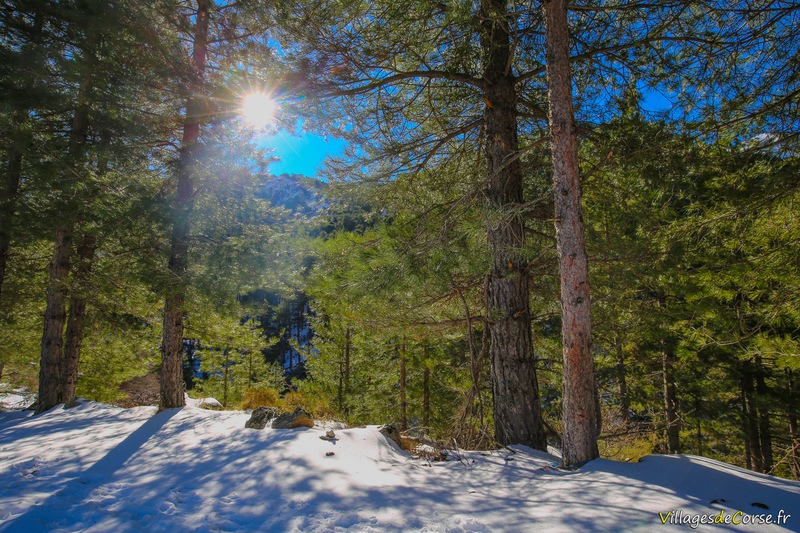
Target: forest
{"type": "Point", "coordinates": [573, 225]}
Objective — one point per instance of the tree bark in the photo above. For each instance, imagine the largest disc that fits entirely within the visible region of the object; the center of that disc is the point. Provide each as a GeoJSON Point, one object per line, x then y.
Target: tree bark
{"type": "Point", "coordinates": [171, 375]}
{"type": "Point", "coordinates": [226, 377]}
{"type": "Point", "coordinates": [51, 365]}
{"type": "Point", "coordinates": [751, 421]}
{"type": "Point", "coordinates": [624, 401]}
{"type": "Point", "coordinates": [77, 316]}
{"type": "Point", "coordinates": [18, 145]}
{"type": "Point", "coordinates": [347, 342]}
{"type": "Point", "coordinates": [8, 203]}
{"type": "Point", "coordinates": [580, 414]}
{"type": "Point", "coordinates": [794, 437]}
{"type": "Point", "coordinates": [517, 413]}
{"type": "Point", "coordinates": [426, 398]}
{"type": "Point", "coordinates": [762, 410]}
{"type": "Point", "coordinates": [699, 425]}
{"type": "Point", "coordinates": [670, 400]}
{"type": "Point", "coordinates": [402, 399]}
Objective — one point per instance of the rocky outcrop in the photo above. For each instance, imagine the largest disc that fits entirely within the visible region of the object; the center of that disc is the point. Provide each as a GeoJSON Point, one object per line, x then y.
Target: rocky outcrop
{"type": "Point", "coordinates": [298, 418]}
{"type": "Point", "coordinates": [261, 417]}
{"type": "Point", "coordinates": [390, 431]}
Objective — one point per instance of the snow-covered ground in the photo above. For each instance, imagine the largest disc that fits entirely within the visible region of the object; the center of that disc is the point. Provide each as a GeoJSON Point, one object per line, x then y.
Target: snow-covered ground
{"type": "Point", "coordinates": [100, 468]}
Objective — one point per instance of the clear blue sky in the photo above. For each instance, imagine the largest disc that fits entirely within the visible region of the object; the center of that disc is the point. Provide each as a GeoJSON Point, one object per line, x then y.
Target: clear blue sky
{"type": "Point", "coordinates": [301, 154]}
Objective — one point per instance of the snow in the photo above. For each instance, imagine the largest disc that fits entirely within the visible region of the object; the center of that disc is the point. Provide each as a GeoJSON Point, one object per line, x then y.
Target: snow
{"type": "Point", "coordinates": [99, 468]}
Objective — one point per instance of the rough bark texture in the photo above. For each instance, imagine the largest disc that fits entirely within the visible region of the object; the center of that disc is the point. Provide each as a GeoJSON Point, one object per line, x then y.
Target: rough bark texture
{"type": "Point", "coordinates": [77, 316]}
{"type": "Point", "coordinates": [762, 409]}
{"type": "Point", "coordinates": [517, 413]}
{"type": "Point", "coordinates": [752, 441]}
{"type": "Point", "coordinates": [670, 401]}
{"type": "Point", "coordinates": [171, 376]}
{"type": "Point", "coordinates": [51, 364]}
{"type": "Point", "coordinates": [579, 404]}
{"type": "Point", "coordinates": [55, 315]}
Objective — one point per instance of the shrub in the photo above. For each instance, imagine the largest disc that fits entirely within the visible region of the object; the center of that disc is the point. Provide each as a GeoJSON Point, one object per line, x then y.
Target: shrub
{"type": "Point", "coordinates": [262, 396]}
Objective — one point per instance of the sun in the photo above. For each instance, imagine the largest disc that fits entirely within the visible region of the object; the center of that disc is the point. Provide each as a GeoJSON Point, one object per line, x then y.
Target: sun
{"type": "Point", "coordinates": [258, 109]}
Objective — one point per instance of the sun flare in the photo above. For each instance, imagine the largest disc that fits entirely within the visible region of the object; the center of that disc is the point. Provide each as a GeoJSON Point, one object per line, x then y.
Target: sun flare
{"type": "Point", "coordinates": [258, 109]}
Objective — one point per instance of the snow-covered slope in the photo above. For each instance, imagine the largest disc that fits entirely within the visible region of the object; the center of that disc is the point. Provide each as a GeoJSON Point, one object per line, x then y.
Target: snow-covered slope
{"type": "Point", "coordinates": [100, 468]}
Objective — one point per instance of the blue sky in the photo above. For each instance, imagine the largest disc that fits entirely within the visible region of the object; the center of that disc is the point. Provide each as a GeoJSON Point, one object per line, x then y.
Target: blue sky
{"type": "Point", "coordinates": [304, 153]}
{"type": "Point", "coordinates": [300, 154]}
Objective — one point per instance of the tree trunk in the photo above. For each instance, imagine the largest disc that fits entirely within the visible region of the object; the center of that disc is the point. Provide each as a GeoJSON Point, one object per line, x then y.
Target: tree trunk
{"type": "Point", "coordinates": [8, 203]}
{"type": "Point", "coordinates": [517, 413]}
{"type": "Point", "coordinates": [402, 398]}
{"type": "Point", "coordinates": [699, 426]}
{"type": "Point", "coordinates": [751, 421]}
{"type": "Point", "coordinates": [670, 400]}
{"type": "Point", "coordinates": [624, 401]}
{"type": "Point", "coordinates": [347, 342]}
{"type": "Point", "coordinates": [51, 363]}
{"type": "Point", "coordinates": [18, 145]}
{"type": "Point", "coordinates": [77, 316]}
{"type": "Point", "coordinates": [51, 366]}
{"type": "Point", "coordinates": [225, 383]}
{"type": "Point", "coordinates": [580, 414]}
{"type": "Point", "coordinates": [762, 410]}
{"type": "Point", "coordinates": [426, 398]}
{"type": "Point", "coordinates": [794, 437]}
{"type": "Point", "coordinates": [171, 376]}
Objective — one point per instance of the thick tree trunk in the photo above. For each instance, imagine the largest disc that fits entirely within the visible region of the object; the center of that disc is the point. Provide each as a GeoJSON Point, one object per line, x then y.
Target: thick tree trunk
{"type": "Point", "coordinates": [580, 414]}
{"type": "Point", "coordinates": [77, 316]}
{"type": "Point", "coordinates": [517, 413]}
{"type": "Point", "coordinates": [51, 365]}
{"type": "Point", "coordinates": [171, 376]}
{"type": "Point", "coordinates": [670, 400]}
{"type": "Point", "coordinates": [762, 410]}
{"type": "Point", "coordinates": [752, 439]}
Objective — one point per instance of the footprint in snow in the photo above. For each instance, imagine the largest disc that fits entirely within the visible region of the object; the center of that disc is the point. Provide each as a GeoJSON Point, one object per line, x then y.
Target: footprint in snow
{"type": "Point", "coordinates": [168, 508]}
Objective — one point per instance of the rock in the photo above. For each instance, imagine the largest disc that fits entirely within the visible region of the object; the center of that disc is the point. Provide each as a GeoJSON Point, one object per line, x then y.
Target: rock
{"type": "Point", "coordinates": [293, 420]}
{"type": "Point", "coordinates": [390, 431]}
{"type": "Point", "coordinates": [261, 416]}
{"type": "Point", "coordinates": [329, 435]}
{"type": "Point", "coordinates": [330, 454]}
{"type": "Point", "coordinates": [211, 404]}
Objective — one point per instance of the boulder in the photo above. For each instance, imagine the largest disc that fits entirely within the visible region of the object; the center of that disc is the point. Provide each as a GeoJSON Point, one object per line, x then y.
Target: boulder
{"type": "Point", "coordinates": [261, 416]}
{"type": "Point", "coordinates": [390, 431]}
{"type": "Point", "coordinates": [293, 420]}
{"type": "Point", "coordinates": [211, 404]}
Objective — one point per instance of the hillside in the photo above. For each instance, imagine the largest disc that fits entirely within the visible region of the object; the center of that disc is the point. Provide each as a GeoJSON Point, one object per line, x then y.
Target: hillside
{"type": "Point", "coordinates": [100, 468]}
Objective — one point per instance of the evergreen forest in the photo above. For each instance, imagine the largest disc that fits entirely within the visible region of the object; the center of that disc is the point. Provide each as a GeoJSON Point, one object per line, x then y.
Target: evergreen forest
{"type": "Point", "coordinates": [555, 224]}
